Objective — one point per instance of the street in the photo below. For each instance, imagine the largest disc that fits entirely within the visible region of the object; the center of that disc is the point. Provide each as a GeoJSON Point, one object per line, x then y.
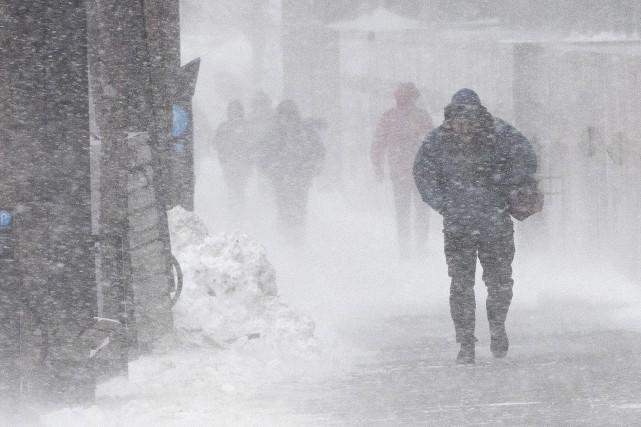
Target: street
{"type": "Point", "coordinates": [408, 377]}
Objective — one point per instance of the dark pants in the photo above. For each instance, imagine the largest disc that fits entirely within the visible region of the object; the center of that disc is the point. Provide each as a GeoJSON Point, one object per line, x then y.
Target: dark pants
{"type": "Point", "coordinates": [236, 180]}
{"type": "Point", "coordinates": [406, 196]}
{"type": "Point", "coordinates": [492, 240]}
{"type": "Point", "coordinates": [291, 203]}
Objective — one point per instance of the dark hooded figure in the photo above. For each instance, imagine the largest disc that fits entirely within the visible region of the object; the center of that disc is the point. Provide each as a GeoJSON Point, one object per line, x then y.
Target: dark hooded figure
{"type": "Point", "coordinates": [467, 170]}
{"type": "Point", "coordinates": [294, 155]}
{"type": "Point", "coordinates": [235, 156]}
{"type": "Point", "coordinates": [260, 120]}
{"type": "Point", "coordinates": [398, 138]}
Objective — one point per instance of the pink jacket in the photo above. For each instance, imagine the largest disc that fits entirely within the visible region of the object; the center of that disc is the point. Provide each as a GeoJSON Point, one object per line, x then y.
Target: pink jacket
{"type": "Point", "coordinates": [399, 136]}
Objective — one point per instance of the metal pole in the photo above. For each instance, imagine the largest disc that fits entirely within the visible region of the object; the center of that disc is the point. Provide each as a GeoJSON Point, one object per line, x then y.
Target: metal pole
{"type": "Point", "coordinates": [132, 191]}
{"type": "Point", "coordinates": [46, 146]}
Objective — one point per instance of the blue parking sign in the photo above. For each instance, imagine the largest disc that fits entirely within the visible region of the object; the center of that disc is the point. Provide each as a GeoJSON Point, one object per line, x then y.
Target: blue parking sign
{"type": "Point", "coordinates": [5, 218]}
{"type": "Point", "coordinates": [181, 121]}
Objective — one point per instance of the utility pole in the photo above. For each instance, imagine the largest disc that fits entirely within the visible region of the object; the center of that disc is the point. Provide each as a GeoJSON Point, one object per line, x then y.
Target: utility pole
{"type": "Point", "coordinates": [134, 116]}
{"type": "Point", "coordinates": [49, 298]}
{"type": "Point", "coordinates": [48, 270]}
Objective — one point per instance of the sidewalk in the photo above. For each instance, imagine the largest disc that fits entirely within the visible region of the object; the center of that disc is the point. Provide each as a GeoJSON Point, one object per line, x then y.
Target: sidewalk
{"type": "Point", "coordinates": [409, 378]}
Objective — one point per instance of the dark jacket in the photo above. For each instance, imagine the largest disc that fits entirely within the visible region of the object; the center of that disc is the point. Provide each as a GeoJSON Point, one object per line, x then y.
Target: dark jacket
{"type": "Point", "coordinates": [475, 179]}
{"type": "Point", "coordinates": [294, 154]}
{"type": "Point", "coordinates": [233, 145]}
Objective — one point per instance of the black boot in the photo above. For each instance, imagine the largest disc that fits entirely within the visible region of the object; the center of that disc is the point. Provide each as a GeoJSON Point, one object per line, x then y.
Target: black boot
{"type": "Point", "coordinates": [465, 354]}
{"type": "Point", "coordinates": [499, 342]}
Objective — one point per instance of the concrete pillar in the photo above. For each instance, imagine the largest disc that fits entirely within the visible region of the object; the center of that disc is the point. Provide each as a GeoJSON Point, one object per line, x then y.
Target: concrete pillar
{"type": "Point", "coordinates": [311, 72]}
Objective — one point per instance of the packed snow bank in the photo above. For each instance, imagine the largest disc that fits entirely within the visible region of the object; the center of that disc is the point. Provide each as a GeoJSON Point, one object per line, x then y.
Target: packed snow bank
{"type": "Point", "coordinates": [380, 19]}
{"type": "Point", "coordinates": [604, 36]}
{"type": "Point", "coordinates": [234, 341]}
{"type": "Point", "coordinates": [229, 291]}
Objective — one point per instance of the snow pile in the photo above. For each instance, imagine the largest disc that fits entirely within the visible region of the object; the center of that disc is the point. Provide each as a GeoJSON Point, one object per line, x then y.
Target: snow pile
{"type": "Point", "coordinates": [379, 20]}
{"type": "Point", "coordinates": [229, 292]}
{"type": "Point", "coordinates": [191, 388]}
{"type": "Point", "coordinates": [604, 36]}
{"type": "Point", "coordinates": [237, 340]}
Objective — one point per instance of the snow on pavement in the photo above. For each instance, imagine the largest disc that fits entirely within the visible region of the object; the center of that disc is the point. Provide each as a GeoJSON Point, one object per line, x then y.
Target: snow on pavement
{"type": "Point", "coordinates": [382, 350]}
{"type": "Point", "coordinates": [233, 334]}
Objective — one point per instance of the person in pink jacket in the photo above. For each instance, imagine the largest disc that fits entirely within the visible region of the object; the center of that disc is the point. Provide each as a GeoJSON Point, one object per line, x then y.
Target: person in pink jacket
{"type": "Point", "coordinates": [399, 136]}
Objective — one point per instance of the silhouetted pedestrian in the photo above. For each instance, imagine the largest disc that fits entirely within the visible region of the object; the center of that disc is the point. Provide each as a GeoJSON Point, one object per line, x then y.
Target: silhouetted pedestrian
{"type": "Point", "coordinates": [398, 138]}
{"type": "Point", "coordinates": [476, 170]}
{"type": "Point", "coordinates": [294, 156]}
{"type": "Point", "coordinates": [236, 156]}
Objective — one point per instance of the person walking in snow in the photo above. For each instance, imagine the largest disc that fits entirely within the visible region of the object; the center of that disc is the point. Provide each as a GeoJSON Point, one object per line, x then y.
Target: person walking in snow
{"type": "Point", "coordinates": [476, 171]}
{"type": "Point", "coordinates": [398, 138]}
{"type": "Point", "coordinates": [294, 155]}
{"type": "Point", "coordinates": [260, 120]}
{"type": "Point", "coordinates": [235, 155]}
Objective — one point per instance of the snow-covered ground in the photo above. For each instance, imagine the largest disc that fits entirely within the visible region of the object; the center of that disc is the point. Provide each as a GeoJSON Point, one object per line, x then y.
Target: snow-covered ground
{"type": "Point", "coordinates": [350, 265]}
{"type": "Point", "coordinates": [233, 334]}
{"type": "Point", "coordinates": [341, 332]}
{"type": "Point", "coordinates": [603, 37]}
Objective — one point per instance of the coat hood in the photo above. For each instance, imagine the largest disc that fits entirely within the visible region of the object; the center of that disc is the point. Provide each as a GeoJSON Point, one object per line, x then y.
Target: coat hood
{"type": "Point", "coordinates": [466, 97]}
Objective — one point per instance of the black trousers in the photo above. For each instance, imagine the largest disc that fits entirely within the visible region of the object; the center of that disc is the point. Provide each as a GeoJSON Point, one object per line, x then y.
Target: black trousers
{"type": "Point", "coordinates": [490, 238]}
{"type": "Point", "coordinates": [406, 197]}
{"type": "Point", "coordinates": [291, 203]}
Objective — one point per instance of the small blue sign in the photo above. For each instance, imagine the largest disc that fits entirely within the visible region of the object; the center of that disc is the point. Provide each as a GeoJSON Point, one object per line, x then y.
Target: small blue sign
{"type": "Point", "coordinates": [179, 148]}
{"type": "Point", "coordinates": [5, 218]}
{"type": "Point", "coordinates": [181, 121]}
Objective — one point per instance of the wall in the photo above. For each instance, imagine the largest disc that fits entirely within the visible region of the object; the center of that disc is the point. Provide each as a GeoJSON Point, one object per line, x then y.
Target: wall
{"type": "Point", "coordinates": [582, 106]}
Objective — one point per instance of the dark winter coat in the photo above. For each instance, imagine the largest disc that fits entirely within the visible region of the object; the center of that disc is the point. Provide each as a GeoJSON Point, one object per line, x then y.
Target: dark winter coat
{"type": "Point", "coordinates": [467, 180]}
{"type": "Point", "coordinates": [294, 154]}
{"type": "Point", "coordinates": [234, 147]}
